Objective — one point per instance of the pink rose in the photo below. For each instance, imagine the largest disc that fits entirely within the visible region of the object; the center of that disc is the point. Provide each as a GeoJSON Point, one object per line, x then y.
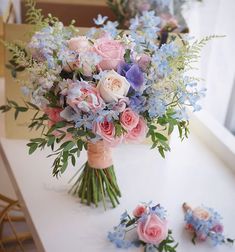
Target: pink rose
{"type": "Point", "coordinates": [201, 237]}
{"type": "Point", "coordinates": [53, 115]}
{"type": "Point", "coordinates": [111, 51]}
{"type": "Point", "coordinates": [129, 119]}
{"type": "Point", "coordinates": [139, 211]}
{"type": "Point", "coordinates": [84, 98]}
{"type": "Point", "coordinates": [105, 129]}
{"type": "Point", "coordinates": [79, 44]}
{"type": "Point", "coordinates": [201, 214]}
{"type": "Point", "coordinates": [152, 230]}
{"type": "Point", "coordinates": [190, 228]}
{"type": "Point", "coordinates": [137, 134]}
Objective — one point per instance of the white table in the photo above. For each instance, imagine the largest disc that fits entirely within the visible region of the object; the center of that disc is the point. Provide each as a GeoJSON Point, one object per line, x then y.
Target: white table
{"type": "Point", "coordinates": [59, 223]}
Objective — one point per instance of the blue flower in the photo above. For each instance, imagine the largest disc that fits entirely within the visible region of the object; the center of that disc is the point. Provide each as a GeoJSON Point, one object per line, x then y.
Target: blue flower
{"type": "Point", "coordinates": [159, 211]}
{"type": "Point", "coordinates": [133, 74]}
{"type": "Point", "coordinates": [84, 121]}
{"type": "Point", "coordinates": [124, 216]}
{"type": "Point", "coordinates": [100, 20]}
{"type": "Point", "coordinates": [156, 103]}
{"type": "Point", "coordinates": [108, 115]}
{"type": "Point", "coordinates": [181, 114]}
{"type": "Point", "coordinates": [111, 28]}
{"type": "Point", "coordinates": [138, 102]}
{"type": "Point", "coordinates": [118, 237]}
{"type": "Point", "coordinates": [150, 248]}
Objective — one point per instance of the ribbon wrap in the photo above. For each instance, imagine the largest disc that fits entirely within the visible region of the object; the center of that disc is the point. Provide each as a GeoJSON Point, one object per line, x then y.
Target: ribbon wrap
{"type": "Point", "coordinates": [99, 155]}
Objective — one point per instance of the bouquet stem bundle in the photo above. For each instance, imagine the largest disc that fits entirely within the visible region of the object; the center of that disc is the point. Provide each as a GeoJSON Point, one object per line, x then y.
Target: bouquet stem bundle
{"type": "Point", "coordinates": [95, 183]}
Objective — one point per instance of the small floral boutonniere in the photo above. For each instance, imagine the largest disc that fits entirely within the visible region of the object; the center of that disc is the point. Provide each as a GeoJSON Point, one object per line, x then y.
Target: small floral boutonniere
{"type": "Point", "coordinates": [204, 222]}
{"type": "Point", "coordinates": [147, 227]}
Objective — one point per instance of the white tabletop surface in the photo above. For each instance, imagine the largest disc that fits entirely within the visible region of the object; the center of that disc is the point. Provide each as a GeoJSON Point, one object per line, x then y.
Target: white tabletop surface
{"type": "Point", "coordinates": [191, 172]}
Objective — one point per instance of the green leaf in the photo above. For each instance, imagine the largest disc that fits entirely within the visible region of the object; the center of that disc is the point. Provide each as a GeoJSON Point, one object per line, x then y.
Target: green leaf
{"type": "Point", "coordinates": [80, 144]}
{"type": "Point", "coordinates": [12, 103]}
{"type": "Point", "coordinates": [73, 160]}
{"type": "Point", "coordinates": [64, 166]}
{"type": "Point", "coordinates": [16, 114]}
{"type": "Point", "coordinates": [73, 150]}
{"type": "Point", "coordinates": [160, 136]}
{"type": "Point", "coordinates": [22, 109]}
{"type": "Point", "coordinates": [32, 148]}
{"type": "Point", "coordinates": [81, 133]}
{"type": "Point", "coordinates": [32, 105]}
{"type": "Point", "coordinates": [20, 69]}
{"type": "Point", "coordinates": [60, 124]}
{"type": "Point", "coordinates": [161, 151]}
{"type": "Point", "coordinates": [170, 128]}
{"type": "Point", "coordinates": [68, 146]}
{"type": "Point", "coordinates": [127, 56]}
{"type": "Point", "coordinates": [65, 155]}
{"type": "Point", "coordinates": [51, 140]}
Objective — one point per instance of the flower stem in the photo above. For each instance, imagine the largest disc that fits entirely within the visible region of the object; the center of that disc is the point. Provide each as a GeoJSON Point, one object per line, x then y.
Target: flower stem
{"type": "Point", "coordinates": [95, 185]}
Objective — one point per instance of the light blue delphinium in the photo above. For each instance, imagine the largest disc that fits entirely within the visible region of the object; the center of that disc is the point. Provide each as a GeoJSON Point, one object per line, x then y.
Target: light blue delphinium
{"type": "Point", "coordinates": [181, 114]}
{"type": "Point", "coordinates": [84, 121]}
{"type": "Point", "coordinates": [108, 115]}
{"type": "Point", "coordinates": [150, 248]}
{"type": "Point", "coordinates": [100, 20]}
{"type": "Point", "coordinates": [48, 42]}
{"type": "Point", "coordinates": [159, 211]}
{"type": "Point", "coordinates": [118, 237]}
{"type": "Point", "coordinates": [157, 106]}
{"type": "Point", "coordinates": [111, 28]}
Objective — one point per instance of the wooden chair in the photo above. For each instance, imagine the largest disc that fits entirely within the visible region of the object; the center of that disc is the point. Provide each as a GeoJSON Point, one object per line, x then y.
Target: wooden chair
{"type": "Point", "coordinates": [10, 214]}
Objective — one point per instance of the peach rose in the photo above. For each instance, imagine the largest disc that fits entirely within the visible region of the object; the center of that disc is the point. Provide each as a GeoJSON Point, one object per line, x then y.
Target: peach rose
{"type": "Point", "coordinates": [111, 51]}
{"type": "Point", "coordinates": [139, 211]}
{"type": "Point", "coordinates": [152, 230]}
{"type": "Point", "coordinates": [79, 44]}
{"type": "Point", "coordinates": [201, 214]}
{"type": "Point", "coordinates": [113, 86]}
{"type": "Point", "coordinates": [138, 133]}
{"type": "Point", "coordinates": [129, 119]}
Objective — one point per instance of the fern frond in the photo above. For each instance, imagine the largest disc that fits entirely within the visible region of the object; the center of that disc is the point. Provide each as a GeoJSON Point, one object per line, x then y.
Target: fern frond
{"type": "Point", "coordinates": [33, 15]}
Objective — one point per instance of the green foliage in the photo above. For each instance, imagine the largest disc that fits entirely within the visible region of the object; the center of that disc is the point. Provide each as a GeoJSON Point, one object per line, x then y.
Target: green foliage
{"type": "Point", "coordinates": [19, 58]}
{"type": "Point", "coordinates": [127, 56]}
{"type": "Point", "coordinates": [33, 15]}
{"type": "Point", "coordinates": [167, 244]}
{"type": "Point", "coordinates": [119, 8]}
{"type": "Point", "coordinates": [93, 185]}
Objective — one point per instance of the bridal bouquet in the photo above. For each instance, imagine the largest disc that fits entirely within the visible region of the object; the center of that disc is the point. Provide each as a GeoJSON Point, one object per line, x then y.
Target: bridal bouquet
{"type": "Point", "coordinates": [100, 89]}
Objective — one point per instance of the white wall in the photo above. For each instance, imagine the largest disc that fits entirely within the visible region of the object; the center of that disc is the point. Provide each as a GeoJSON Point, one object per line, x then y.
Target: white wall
{"type": "Point", "coordinates": [218, 58]}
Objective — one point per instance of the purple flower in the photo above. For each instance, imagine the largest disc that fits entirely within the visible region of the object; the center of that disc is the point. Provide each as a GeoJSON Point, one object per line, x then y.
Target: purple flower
{"type": "Point", "coordinates": [218, 228]}
{"type": "Point", "coordinates": [133, 74]}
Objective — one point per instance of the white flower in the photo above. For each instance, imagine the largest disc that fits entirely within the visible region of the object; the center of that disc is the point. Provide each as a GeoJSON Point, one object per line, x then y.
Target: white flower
{"type": "Point", "coordinates": [113, 86]}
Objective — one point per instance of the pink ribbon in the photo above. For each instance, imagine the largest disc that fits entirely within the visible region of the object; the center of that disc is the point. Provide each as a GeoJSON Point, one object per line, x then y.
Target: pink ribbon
{"type": "Point", "coordinates": [99, 155]}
